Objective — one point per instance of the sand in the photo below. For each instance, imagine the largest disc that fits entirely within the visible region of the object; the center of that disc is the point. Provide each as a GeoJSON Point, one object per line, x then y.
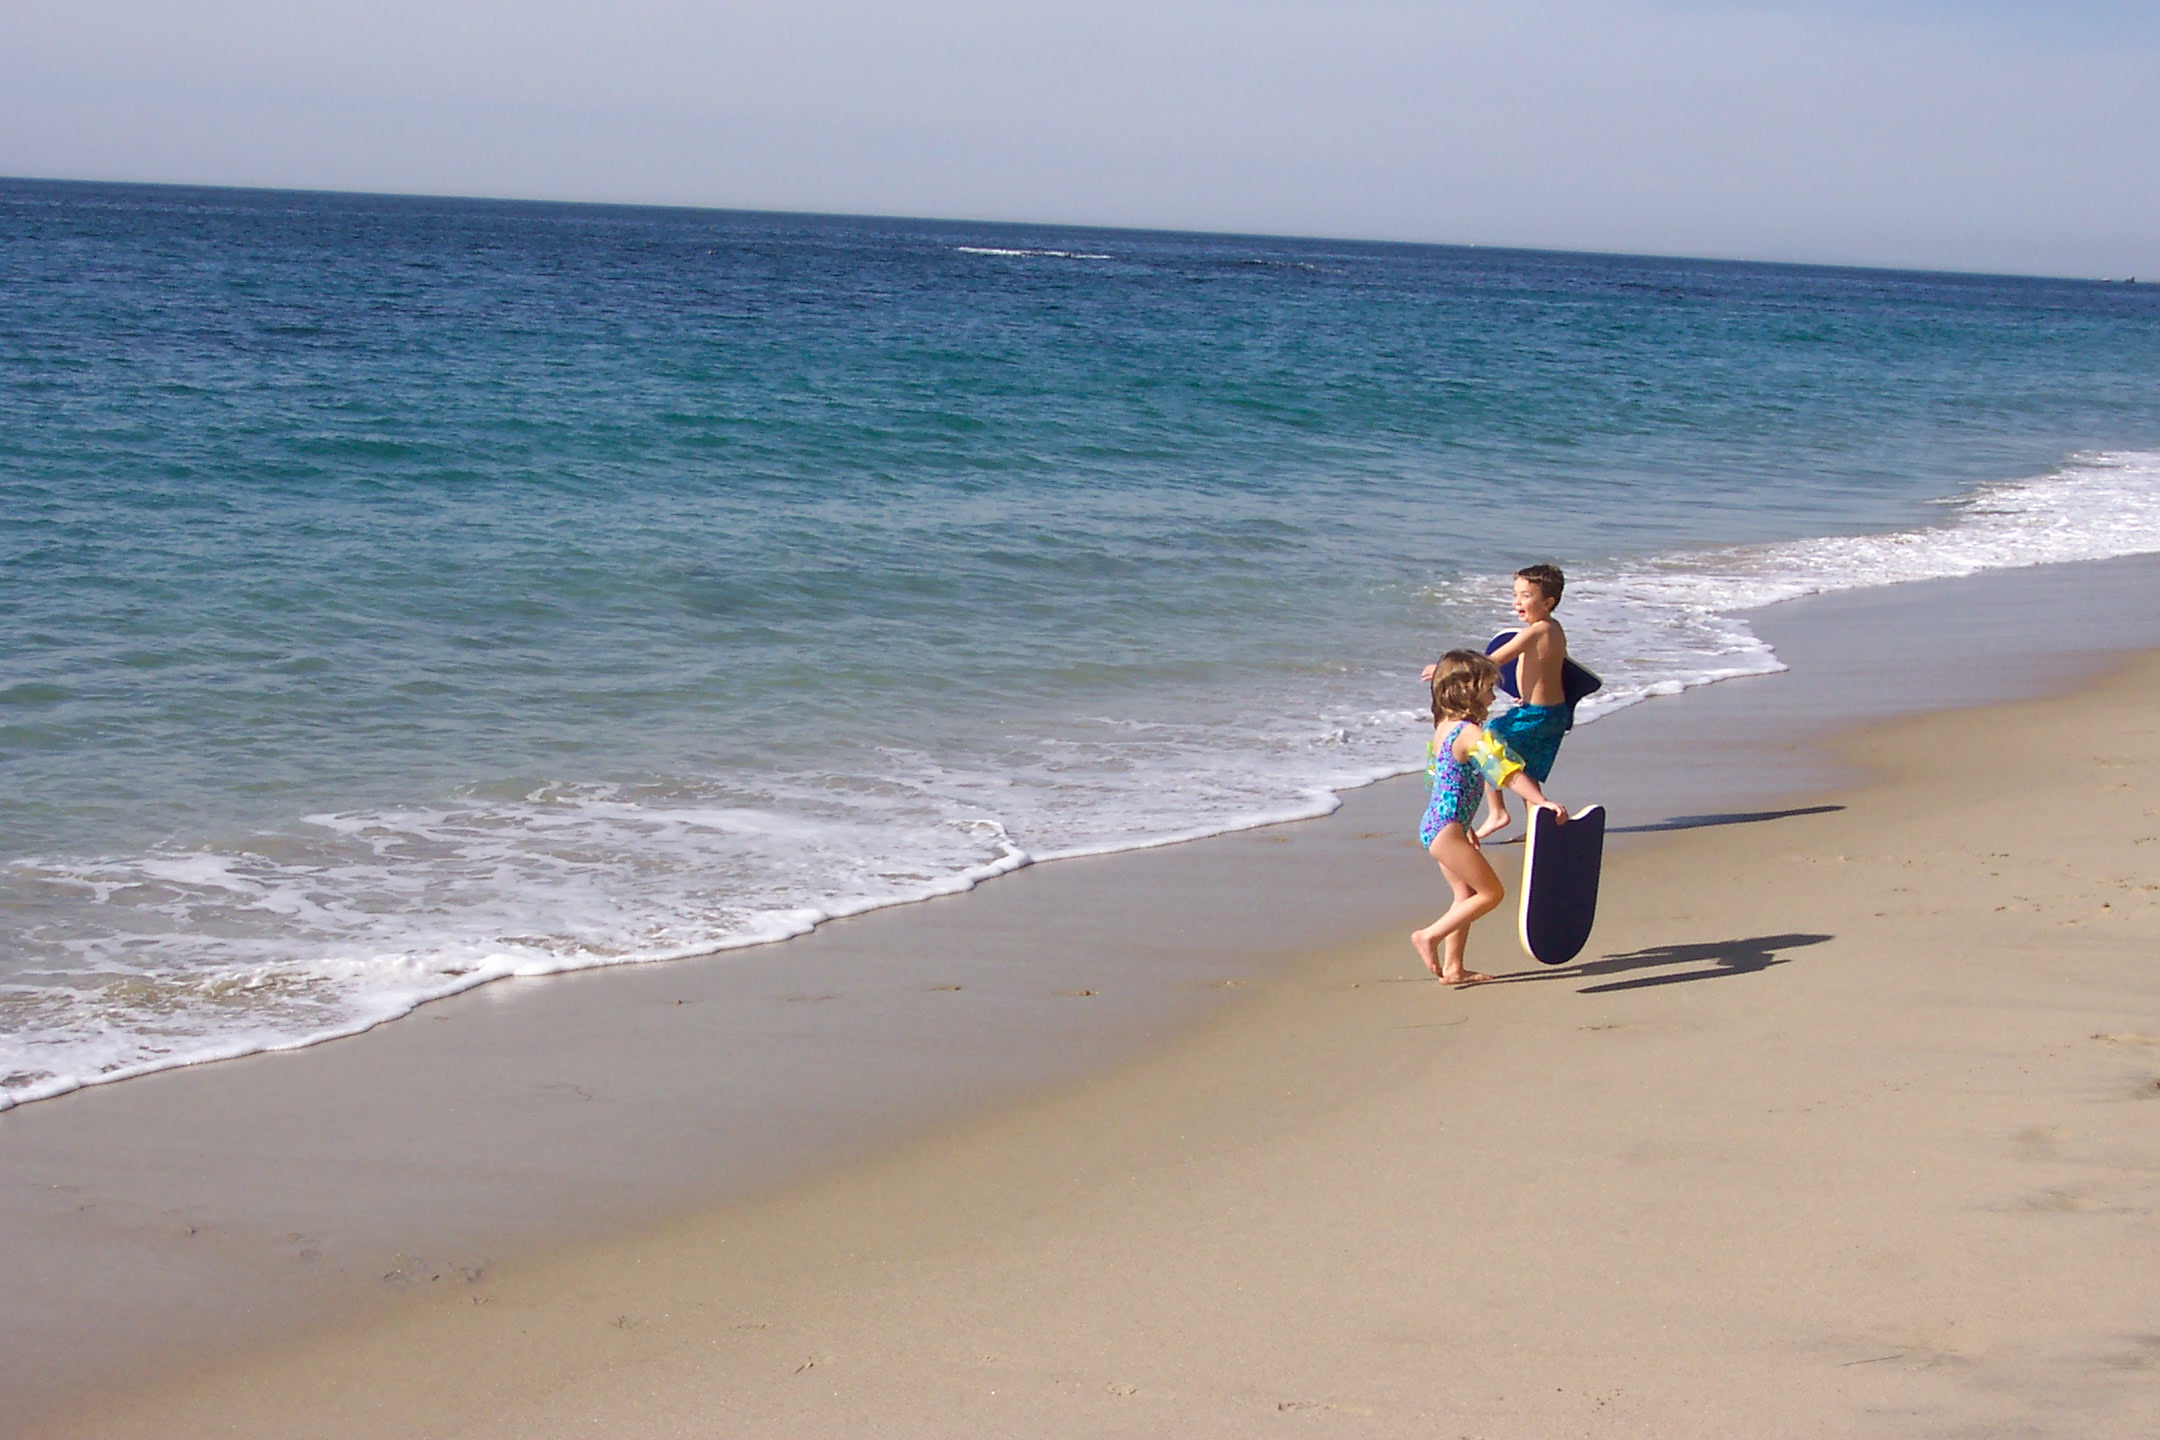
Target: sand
{"type": "Point", "coordinates": [1849, 1125]}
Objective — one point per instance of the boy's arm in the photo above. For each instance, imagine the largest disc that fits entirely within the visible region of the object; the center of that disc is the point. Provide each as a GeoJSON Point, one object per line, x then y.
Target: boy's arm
{"type": "Point", "coordinates": [1520, 641]}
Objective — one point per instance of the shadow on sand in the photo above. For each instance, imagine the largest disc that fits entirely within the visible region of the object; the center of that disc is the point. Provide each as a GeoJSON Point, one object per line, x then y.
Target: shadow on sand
{"type": "Point", "coordinates": [1725, 957]}
{"type": "Point", "coordinates": [1698, 822]}
{"type": "Point", "coordinates": [1701, 822]}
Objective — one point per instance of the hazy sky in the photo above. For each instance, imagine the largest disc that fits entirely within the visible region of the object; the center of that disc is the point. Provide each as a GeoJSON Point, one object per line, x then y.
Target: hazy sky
{"type": "Point", "coordinates": [1984, 135]}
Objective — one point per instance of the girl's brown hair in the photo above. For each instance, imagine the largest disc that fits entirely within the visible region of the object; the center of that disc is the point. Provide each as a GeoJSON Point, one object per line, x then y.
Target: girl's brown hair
{"type": "Point", "coordinates": [1461, 686]}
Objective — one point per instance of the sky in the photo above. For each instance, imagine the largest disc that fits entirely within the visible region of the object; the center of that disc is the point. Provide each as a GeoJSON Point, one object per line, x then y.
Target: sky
{"type": "Point", "coordinates": [1987, 135]}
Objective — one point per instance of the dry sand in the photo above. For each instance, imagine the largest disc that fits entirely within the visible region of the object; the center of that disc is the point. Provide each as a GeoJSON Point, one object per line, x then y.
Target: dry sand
{"type": "Point", "coordinates": [1850, 1126]}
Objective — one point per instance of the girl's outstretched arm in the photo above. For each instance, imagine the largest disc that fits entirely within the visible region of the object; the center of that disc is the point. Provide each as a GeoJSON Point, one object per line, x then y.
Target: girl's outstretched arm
{"type": "Point", "coordinates": [1521, 783]}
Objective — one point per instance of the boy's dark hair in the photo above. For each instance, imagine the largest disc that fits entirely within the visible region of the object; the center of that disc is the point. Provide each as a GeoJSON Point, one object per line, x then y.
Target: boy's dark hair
{"type": "Point", "coordinates": [1548, 579]}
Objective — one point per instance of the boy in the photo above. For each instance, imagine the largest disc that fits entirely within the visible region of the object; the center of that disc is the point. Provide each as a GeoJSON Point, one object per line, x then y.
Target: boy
{"type": "Point", "coordinates": [1534, 727]}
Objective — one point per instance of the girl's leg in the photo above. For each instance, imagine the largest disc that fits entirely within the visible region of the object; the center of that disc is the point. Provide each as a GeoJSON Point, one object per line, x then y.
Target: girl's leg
{"type": "Point", "coordinates": [1452, 949]}
{"type": "Point", "coordinates": [1456, 942]}
{"type": "Point", "coordinates": [1446, 957]}
{"type": "Point", "coordinates": [1478, 892]}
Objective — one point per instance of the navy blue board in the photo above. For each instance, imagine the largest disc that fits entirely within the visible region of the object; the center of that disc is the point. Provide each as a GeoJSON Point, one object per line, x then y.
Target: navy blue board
{"type": "Point", "coordinates": [1575, 682]}
{"type": "Point", "coordinates": [1560, 879]}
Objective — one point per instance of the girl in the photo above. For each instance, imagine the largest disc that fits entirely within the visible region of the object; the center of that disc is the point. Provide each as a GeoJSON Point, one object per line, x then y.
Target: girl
{"type": "Point", "coordinates": [1461, 758]}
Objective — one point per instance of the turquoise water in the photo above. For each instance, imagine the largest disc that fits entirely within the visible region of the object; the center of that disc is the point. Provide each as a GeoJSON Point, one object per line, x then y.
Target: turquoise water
{"type": "Point", "coordinates": [400, 593]}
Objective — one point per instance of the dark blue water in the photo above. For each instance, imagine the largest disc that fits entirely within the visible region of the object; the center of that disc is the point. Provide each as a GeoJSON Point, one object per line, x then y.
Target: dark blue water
{"type": "Point", "coordinates": [397, 593]}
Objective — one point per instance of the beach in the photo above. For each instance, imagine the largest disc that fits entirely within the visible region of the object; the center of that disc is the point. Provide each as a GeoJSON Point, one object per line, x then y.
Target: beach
{"type": "Point", "coordinates": [617, 806]}
{"type": "Point", "coordinates": [1842, 1125]}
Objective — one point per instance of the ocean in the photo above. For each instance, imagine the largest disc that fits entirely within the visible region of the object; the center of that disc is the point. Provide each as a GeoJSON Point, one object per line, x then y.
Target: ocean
{"type": "Point", "coordinates": [397, 594]}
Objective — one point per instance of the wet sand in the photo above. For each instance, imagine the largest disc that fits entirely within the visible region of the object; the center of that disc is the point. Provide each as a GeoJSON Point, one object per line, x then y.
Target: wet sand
{"type": "Point", "coordinates": [1219, 1149]}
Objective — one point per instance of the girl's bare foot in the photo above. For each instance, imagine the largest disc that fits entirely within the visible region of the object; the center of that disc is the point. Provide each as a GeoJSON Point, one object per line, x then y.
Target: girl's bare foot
{"type": "Point", "coordinates": [1463, 977]}
{"type": "Point", "coordinates": [1428, 950]}
{"type": "Point", "coordinates": [1493, 825]}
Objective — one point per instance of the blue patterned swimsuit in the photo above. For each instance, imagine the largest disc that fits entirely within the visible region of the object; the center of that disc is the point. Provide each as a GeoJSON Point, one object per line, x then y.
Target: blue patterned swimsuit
{"type": "Point", "coordinates": [1458, 786]}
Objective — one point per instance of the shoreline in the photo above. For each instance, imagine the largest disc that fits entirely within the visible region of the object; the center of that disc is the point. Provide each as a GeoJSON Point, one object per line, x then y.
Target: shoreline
{"type": "Point", "coordinates": [1854, 1186]}
{"type": "Point", "coordinates": [1155, 943]}
{"type": "Point", "coordinates": [1309, 798]}
{"type": "Point", "coordinates": [1816, 606]}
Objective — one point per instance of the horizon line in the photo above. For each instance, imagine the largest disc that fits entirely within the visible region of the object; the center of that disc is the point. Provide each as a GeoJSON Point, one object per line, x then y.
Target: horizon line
{"type": "Point", "coordinates": [1503, 247]}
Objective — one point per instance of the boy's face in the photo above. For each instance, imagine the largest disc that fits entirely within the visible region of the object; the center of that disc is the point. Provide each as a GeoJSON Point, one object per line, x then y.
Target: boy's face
{"type": "Point", "coordinates": [1531, 605]}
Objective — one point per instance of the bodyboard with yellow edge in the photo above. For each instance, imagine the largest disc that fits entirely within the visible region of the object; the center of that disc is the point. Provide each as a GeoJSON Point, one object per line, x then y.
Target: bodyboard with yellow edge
{"type": "Point", "coordinates": [1560, 882]}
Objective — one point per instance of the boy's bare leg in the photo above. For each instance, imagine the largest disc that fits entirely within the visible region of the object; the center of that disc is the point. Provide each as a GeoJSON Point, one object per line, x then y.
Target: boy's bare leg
{"type": "Point", "coordinates": [1496, 815]}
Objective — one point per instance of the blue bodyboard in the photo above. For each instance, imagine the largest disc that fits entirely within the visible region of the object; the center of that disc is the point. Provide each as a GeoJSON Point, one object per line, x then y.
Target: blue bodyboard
{"type": "Point", "coordinates": [1560, 883]}
{"type": "Point", "coordinates": [1575, 681]}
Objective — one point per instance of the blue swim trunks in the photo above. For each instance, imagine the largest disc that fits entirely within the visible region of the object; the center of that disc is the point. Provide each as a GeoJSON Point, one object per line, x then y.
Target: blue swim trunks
{"type": "Point", "coordinates": [1534, 732]}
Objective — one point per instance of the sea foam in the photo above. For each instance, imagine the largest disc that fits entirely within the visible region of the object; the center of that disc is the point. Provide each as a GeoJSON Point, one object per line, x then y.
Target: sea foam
{"type": "Point", "coordinates": [135, 963]}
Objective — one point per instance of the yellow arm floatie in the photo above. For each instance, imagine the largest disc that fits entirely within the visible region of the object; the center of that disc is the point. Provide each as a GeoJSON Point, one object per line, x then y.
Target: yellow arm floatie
{"type": "Point", "coordinates": [1492, 757]}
